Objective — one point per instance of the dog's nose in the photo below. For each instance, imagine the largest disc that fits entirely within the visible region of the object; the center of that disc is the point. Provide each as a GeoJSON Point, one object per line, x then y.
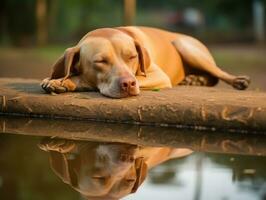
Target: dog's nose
{"type": "Point", "coordinates": [127, 84]}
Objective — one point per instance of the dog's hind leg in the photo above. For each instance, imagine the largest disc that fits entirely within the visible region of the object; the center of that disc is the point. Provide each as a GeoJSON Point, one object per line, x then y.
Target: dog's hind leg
{"type": "Point", "coordinates": [197, 56]}
{"type": "Point", "coordinates": [199, 80]}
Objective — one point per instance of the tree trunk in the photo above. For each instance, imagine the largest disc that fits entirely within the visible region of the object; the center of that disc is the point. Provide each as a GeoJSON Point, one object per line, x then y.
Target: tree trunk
{"type": "Point", "coordinates": [41, 20]}
{"type": "Point", "coordinates": [129, 12]}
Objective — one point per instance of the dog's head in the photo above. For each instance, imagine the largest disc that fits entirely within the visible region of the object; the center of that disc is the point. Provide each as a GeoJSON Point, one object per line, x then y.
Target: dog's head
{"type": "Point", "coordinates": [96, 170]}
{"type": "Point", "coordinates": [108, 60]}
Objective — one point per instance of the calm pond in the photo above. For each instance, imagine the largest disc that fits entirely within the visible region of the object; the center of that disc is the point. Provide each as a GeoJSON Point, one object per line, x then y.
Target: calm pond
{"type": "Point", "coordinates": [76, 160]}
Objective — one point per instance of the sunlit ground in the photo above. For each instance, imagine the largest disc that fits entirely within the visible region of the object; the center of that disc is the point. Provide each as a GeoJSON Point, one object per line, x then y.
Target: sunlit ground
{"type": "Point", "coordinates": [36, 62]}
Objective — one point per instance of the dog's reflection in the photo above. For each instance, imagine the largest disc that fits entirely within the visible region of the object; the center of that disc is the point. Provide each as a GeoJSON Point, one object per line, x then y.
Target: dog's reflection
{"type": "Point", "coordinates": [105, 170]}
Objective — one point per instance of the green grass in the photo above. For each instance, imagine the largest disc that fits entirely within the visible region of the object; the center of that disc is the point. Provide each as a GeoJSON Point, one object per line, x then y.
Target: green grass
{"type": "Point", "coordinates": [246, 59]}
{"type": "Point", "coordinates": [46, 53]}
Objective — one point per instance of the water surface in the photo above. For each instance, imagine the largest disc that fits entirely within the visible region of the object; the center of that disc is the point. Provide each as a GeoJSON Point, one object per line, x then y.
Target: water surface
{"type": "Point", "coordinates": [39, 168]}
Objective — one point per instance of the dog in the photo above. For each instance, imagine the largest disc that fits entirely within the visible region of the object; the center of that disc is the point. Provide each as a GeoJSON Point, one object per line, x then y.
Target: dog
{"type": "Point", "coordinates": [105, 170]}
{"type": "Point", "coordinates": [120, 61]}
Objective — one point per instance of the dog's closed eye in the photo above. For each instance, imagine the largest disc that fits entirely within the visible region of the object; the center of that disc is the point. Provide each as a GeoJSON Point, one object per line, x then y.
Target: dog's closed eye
{"type": "Point", "coordinates": [99, 177]}
{"type": "Point", "coordinates": [130, 180]}
{"type": "Point", "coordinates": [101, 64]}
{"type": "Point", "coordinates": [101, 61]}
{"type": "Point", "coordinates": [132, 57]}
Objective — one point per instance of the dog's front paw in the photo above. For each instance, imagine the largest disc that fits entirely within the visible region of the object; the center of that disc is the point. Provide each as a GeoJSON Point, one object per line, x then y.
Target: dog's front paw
{"type": "Point", "coordinates": [53, 85]}
{"type": "Point", "coordinates": [241, 82]}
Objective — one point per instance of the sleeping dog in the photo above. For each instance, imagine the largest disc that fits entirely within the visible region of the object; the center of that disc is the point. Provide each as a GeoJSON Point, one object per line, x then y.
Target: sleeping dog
{"type": "Point", "coordinates": [118, 62]}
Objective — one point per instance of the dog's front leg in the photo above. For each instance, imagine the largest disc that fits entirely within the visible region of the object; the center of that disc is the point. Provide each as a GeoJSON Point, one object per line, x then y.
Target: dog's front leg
{"type": "Point", "coordinates": [155, 79]}
{"type": "Point", "coordinates": [61, 85]}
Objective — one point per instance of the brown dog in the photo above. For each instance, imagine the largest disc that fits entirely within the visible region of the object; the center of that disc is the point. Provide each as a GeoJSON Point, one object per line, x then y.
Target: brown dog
{"type": "Point", "coordinates": [105, 170]}
{"type": "Point", "coordinates": [120, 61]}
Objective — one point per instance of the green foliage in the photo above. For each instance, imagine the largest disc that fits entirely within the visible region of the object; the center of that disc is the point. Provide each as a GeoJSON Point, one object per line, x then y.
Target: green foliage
{"type": "Point", "coordinates": [68, 20]}
{"type": "Point", "coordinates": [19, 19]}
{"type": "Point", "coordinates": [237, 12]}
{"type": "Point", "coordinates": [75, 18]}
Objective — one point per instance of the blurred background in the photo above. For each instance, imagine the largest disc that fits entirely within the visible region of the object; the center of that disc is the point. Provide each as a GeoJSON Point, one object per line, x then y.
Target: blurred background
{"type": "Point", "coordinates": [33, 33]}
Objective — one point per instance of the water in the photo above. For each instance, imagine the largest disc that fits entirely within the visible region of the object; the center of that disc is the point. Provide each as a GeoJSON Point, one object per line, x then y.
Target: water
{"type": "Point", "coordinates": [189, 165]}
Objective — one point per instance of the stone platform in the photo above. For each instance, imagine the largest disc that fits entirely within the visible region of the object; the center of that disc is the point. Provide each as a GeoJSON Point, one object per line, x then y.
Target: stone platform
{"type": "Point", "coordinates": [181, 107]}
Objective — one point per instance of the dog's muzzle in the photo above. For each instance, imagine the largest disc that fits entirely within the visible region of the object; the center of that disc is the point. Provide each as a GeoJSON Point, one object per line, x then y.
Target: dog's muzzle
{"type": "Point", "coordinates": [128, 85]}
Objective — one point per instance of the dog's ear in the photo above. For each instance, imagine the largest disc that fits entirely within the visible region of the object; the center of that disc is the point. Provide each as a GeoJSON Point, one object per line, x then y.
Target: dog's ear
{"type": "Point", "coordinates": [141, 173]}
{"type": "Point", "coordinates": [60, 166]}
{"type": "Point", "coordinates": [144, 58]}
{"type": "Point", "coordinates": [62, 159]}
{"type": "Point", "coordinates": [143, 55]}
{"type": "Point", "coordinates": [64, 167]}
{"type": "Point", "coordinates": [66, 64]}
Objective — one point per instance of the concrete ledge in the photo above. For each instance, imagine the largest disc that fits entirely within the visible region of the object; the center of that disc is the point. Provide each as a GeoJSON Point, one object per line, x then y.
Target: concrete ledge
{"type": "Point", "coordinates": [189, 107]}
{"type": "Point", "coordinates": [220, 142]}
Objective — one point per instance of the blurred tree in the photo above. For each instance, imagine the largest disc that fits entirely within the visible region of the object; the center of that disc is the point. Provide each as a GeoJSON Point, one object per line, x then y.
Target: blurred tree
{"type": "Point", "coordinates": [72, 19]}
{"type": "Point", "coordinates": [129, 12]}
{"type": "Point", "coordinates": [225, 20]}
{"type": "Point", "coordinates": [41, 21]}
{"type": "Point", "coordinates": [18, 21]}
{"type": "Point", "coordinates": [22, 23]}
